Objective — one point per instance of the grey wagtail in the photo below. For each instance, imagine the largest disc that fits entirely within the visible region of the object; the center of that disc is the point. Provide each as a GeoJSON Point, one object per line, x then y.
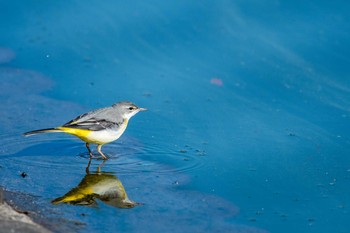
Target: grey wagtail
{"type": "Point", "coordinates": [99, 126]}
{"type": "Point", "coordinates": [103, 186]}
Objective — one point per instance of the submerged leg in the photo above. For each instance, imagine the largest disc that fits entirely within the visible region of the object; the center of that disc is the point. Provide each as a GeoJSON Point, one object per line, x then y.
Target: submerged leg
{"type": "Point", "coordinates": [100, 166]}
{"type": "Point", "coordinates": [88, 147]}
{"type": "Point", "coordinates": [99, 151]}
{"type": "Point", "coordinates": [88, 167]}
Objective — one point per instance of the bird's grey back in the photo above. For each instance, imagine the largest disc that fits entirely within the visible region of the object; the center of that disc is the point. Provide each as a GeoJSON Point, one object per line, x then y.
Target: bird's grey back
{"type": "Point", "coordinates": [109, 114]}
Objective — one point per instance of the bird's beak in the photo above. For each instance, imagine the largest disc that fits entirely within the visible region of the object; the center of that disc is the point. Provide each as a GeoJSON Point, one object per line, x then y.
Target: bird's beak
{"type": "Point", "coordinates": [142, 109]}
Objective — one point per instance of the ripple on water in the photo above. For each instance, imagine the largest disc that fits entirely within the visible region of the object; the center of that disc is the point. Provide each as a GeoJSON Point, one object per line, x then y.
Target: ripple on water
{"type": "Point", "coordinates": [168, 159]}
{"type": "Point", "coordinates": [130, 158]}
{"type": "Point", "coordinates": [125, 156]}
{"type": "Point", "coordinates": [41, 152]}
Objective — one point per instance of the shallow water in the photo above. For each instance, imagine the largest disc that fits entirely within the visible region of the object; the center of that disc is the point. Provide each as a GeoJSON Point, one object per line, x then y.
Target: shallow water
{"type": "Point", "coordinates": [248, 121]}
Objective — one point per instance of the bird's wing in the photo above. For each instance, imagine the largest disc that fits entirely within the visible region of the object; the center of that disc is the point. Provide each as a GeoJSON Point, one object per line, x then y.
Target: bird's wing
{"type": "Point", "coordinates": [95, 120]}
{"type": "Point", "coordinates": [92, 124]}
{"type": "Point", "coordinates": [89, 115]}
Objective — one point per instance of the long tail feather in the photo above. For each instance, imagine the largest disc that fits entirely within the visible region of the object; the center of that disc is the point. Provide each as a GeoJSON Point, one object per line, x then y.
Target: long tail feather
{"type": "Point", "coordinates": [49, 130]}
{"type": "Point", "coordinates": [58, 200]}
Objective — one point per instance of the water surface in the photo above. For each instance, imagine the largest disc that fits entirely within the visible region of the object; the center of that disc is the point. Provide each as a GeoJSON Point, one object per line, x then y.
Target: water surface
{"type": "Point", "coordinates": [248, 121]}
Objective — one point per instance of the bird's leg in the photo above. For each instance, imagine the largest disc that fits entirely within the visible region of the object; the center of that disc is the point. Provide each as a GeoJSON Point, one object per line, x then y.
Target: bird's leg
{"type": "Point", "coordinates": [99, 151]}
{"type": "Point", "coordinates": [100, 166]}
{"type": "Point", "coordinates": [88, 147]}
{"type": "Point", "coordinates": [88, 167]}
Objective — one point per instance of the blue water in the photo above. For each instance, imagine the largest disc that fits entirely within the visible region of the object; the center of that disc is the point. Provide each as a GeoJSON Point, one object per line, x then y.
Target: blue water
{"type": "Point", "coordinates": [248, 122]}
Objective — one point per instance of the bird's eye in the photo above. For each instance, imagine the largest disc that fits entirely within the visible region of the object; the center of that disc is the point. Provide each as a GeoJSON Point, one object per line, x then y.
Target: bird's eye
{"type": "Point", "coordinates": [131, 108]}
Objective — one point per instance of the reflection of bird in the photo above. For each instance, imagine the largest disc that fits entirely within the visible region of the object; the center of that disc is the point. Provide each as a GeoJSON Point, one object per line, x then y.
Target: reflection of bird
{"type": "Point", "coordinates": [101, 185]}
{"type": "Point", "coordinates": [100, 126]}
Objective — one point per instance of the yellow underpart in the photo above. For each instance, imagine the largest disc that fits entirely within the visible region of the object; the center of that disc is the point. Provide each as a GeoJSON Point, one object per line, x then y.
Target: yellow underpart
{"type": "Point", "coordinates": [76, 196]}
{"type": "Point", "coordinates": [83, 134]}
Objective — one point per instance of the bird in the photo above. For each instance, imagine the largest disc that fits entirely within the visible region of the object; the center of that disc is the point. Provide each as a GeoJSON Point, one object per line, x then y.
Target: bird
{"type": "Point", "coordinates": [100, 126]}
{"type": "Point", "coordinates": [99, 185]}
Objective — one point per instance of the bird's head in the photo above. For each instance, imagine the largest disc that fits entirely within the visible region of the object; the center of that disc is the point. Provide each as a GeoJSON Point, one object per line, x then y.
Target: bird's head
{"type": "Point", "coordinates": [127, 109]}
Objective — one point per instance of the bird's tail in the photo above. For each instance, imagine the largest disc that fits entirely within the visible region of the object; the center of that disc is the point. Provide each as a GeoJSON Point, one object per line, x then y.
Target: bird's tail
{"type": "Point", "coordinates": [58, 200]}
{"type": "Point", "coordinates": [49, 130]}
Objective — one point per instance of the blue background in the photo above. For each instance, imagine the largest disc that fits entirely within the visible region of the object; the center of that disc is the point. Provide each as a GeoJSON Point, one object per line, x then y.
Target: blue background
{"type": "Point", "coordinates": [248, 121]}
